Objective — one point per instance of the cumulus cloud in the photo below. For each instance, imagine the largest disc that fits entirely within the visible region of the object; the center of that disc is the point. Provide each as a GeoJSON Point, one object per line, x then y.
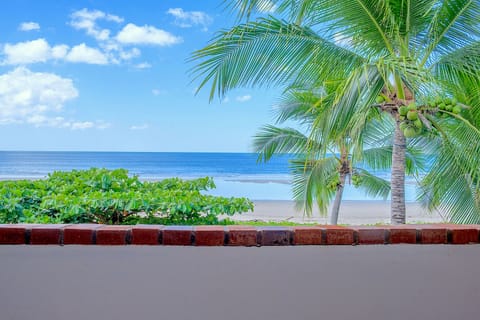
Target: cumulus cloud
{"type": "Point", "coordinates": [39, 50]}
{"type": "Point", "coordinates": [244, 98]}
{"type": "Point", "coordinates": [34, 98]}
{"type": "Point", "coordinates": [85, 54]}
{"type": "Point", "coordinates": [87, 20]}
{"type": "Point", "coordinates": [188, 19]}
{"type": "Point", "coordinates": [149, 35]}
{"type": "Point", "coordinates": [32, 52]}
{"type": "Point", "coordinates": [27, 96]}
{"type": "Point", "coordinates": [29, 26]}
{"type": "Point", "coordinates": [140, 127]}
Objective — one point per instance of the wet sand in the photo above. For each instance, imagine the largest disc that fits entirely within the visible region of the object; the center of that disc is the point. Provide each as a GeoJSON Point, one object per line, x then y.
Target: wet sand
{"type": "Point", "coordinates": [351, 212]}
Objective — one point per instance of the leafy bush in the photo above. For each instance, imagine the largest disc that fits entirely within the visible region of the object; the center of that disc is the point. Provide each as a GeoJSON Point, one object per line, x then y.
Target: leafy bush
{"type": "Point", "coordinates": [113, 197]}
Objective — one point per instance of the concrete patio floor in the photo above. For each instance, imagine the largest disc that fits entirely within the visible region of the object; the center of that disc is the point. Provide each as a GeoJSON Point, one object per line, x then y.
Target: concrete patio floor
{"type": "Point", "coordinates": [328, 282]}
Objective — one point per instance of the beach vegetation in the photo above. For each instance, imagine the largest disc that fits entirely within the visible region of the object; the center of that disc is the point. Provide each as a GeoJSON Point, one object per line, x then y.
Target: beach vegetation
{"type": "Point", "coordinates": [408, 53]}
{"type": "Point", "coordinates": [113, 197]}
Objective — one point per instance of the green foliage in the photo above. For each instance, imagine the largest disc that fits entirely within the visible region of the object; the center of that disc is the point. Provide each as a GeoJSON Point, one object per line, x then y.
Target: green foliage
{"type": "Point", "coordinates": [113, 197]}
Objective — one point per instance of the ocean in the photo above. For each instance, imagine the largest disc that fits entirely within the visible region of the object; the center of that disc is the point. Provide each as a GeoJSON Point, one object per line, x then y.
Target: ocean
{"type": "Point", "coordinates": [235, 174]}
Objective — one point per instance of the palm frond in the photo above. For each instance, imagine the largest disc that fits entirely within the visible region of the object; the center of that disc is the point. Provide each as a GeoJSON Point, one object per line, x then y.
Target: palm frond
{"type": "Point", "coordinates": [271, 140]}
{"type": "Point", "coordinates": [269, 52]}
{"type": "Point", "coordinates": [411, 16]}
{"type": "Point", "coordinates": [303, 106]}
{"type": "Point", "coordinates": [373, 186]}
{"type": "Point", "coordinates": [454, 25]}
{"type": "Point", "coordinates": [458, 67]}
{"type": "Point", "coordinates": [310, 183]}
{"type": "Point", "coordinates": [354, 99]}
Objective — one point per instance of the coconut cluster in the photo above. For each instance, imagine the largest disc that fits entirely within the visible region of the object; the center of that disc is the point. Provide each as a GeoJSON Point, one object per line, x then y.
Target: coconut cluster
{"type": "Point", "coordinates": [447, 104]}
{"type": "Point", "coordinates": [411, 124]}
{"type": "Point", "coordinates": [333, 183]}
{"type": "Point", "coordinates": [356, 180]}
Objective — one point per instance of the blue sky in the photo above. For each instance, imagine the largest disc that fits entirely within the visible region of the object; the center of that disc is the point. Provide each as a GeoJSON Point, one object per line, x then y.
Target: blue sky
{"type": "Point", "coordinates": [103, 75]}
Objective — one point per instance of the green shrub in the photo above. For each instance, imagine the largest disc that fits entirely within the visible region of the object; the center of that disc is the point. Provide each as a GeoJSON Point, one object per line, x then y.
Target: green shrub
{"type": "Point", "coordinates": [113, 197]}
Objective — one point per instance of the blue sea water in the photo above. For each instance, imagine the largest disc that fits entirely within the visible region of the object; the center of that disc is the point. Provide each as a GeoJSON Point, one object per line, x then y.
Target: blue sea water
{"type": "Point", "coordinates": [235, 174]}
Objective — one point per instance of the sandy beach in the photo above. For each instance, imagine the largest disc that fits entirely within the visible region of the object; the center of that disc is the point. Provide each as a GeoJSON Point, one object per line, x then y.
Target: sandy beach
{"type": "Point", "coordinates": [351, 212]}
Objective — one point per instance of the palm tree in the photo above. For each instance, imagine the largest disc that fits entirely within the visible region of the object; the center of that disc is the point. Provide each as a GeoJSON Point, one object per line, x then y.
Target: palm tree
{"type": "Point", "coordinates": [322, 177]}
{"type": "Point", "coordinates": [407, 51]}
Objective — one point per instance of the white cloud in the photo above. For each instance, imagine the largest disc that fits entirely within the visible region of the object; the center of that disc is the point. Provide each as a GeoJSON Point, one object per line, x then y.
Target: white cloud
{"type": "Point", "coordinates": [28, 97]}
{"type": "Point", "coordinates": [39, 50]}
{"type": "Point", "coordinates": [187, 19]}
{"type": "Point", "coordinates": [35, 98]}
{"type": "Point", "coordinates": [87, 20]}
{"type": "Point", "coordinates": [130, 54]}
{"type": "Point", "coordinates": [82, 125]}
{"type": "Point", "coordinates": [83, 53]}
{"type": "Point", "coordinates": [140, 127]}
{"type": "Point", "coordinates": [225, 100]}
{"type": "Point", "coordinates": [143, 65]}
{"type": "Point", "coordinates": [244, 98]}
{"type": "Point", "coordinates": [29, 26]}
{"type": "Point", "coordinates": [59, 52]}
{"type": "Point", "coordinates": [133, 34]}
{"type": "Point", "coordinates": [32, 52]}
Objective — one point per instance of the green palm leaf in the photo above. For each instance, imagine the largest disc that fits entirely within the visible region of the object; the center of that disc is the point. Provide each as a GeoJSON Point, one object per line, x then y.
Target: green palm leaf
{"type": "Point", "coordinates": [266, 53]}
{"type": "Point", "coordinates": [373, 186]}
{"type": "Point", "coordinates": [310, 180]}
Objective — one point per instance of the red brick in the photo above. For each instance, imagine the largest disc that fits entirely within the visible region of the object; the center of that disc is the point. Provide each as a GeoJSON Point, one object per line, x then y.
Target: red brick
{"type": "Point", "coordinates": [275, 236]}
{"type": "Point", "coordinates": [403, 234]}
{"type": "Point", "coordinates": [464, 234]}
{"type": "Point", "coordinates": [177, 236]}
{"type": "Point", "coordinates": [12, 234]}
{"type": "Point", "coordinates": [209, 236]}
{"type": "Point", "coordinates": [337, 235]}
{"type": "Point", "coordinates": [113, 235]}
{"type": "Point", "coordinates": [307, 235]}
{"type": "Point", "coordinates": [371, 235]}
{"type": "Point", "coordinates": [242, 236]}
{"type": "Point", "coordinates": [433, 234]}
{"type": "Point", "coordinates": [80, 234]}
{"type": "Point", "coordinates": [47, 234]}
{"type": "Point", "coordinates": [147, 234]}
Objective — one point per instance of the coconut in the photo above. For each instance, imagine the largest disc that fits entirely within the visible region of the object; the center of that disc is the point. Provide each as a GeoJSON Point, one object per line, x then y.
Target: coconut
{"type": "Point", "coordinates": [403, 125]}
{"type": "Point", "coordinates": [412, 106]}
{"type": "Point", "coordinates": [412, 115]}
{"type": "Point", "coordinates": [403, 110]}
{"type": "Point", "coordinates": [409, 132]}
{"type": "Point", "coordinates": [418, 123]}
{"type": "Point", "coordinates": [379, 99]}
{"type": "Point", "coordinates": [457, 109]}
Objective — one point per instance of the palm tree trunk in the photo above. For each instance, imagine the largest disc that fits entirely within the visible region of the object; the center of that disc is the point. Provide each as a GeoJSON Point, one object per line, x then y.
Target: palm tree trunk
{"type": "Point", "coordinates": [398, 176]}
{"type": "Point", "coordinates": [338, 200]}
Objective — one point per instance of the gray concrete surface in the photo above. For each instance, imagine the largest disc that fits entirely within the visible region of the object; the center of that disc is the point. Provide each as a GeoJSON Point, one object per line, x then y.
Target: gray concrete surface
{"type": "Point", "coordinates": [364, 282]}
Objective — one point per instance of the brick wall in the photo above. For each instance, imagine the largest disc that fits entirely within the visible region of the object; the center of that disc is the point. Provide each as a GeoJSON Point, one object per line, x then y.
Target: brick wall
{"type": "Point", "coordinates": [92, 234]}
